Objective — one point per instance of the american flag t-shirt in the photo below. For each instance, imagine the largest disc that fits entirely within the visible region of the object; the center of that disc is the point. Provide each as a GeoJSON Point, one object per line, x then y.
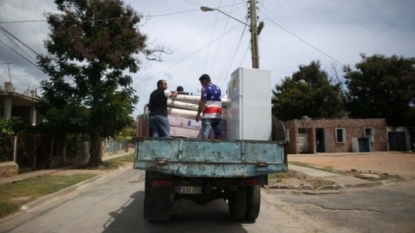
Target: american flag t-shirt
{"type": "Point", "coordinates": [213, 107]}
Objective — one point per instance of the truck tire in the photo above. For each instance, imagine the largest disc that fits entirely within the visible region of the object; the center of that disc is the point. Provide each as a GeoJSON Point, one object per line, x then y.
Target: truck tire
{"type": "Point", "coordinates": [157, 201]}
{"type": "Point", "coordinates": [253, 202]}
{"type": "Point", "coordinates": [237, 203]}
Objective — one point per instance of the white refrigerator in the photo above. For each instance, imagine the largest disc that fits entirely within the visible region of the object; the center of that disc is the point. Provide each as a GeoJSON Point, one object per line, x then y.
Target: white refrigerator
{"type": "Point", "coordinates": [249, 108]}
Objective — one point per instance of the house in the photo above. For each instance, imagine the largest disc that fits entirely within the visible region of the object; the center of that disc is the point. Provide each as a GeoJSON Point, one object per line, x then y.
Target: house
{"type": "Point", "coordinates": [308, 135]}
{"type": "Point", "coordinates": [19, 105]}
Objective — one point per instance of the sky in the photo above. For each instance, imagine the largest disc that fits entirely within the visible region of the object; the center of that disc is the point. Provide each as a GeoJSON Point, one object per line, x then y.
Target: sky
{"type": "Point", "coordinates": [296, 33]}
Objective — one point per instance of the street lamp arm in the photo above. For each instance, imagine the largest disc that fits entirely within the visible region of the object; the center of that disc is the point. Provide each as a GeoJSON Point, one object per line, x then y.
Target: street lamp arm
{"type": "Point", "coordinates": [205, 9]}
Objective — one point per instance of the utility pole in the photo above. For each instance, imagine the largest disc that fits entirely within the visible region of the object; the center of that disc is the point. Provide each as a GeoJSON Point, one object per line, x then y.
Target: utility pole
{"type": "Point", "coordinates": [8, 67]}
{"type": "Point", "coordinates": [254, 35]}
{"type": "Point", "coordinates": [255, 31]}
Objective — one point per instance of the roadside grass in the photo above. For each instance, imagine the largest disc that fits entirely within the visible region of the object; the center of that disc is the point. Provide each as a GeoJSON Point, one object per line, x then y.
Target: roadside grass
{"type": "Point", "coordinates": [117, 162]}
{"type": "Point", "coordinates": [15, 195]}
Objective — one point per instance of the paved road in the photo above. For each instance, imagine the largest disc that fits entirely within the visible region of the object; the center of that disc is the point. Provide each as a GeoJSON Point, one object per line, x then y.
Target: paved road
{"type": "Point", "coordinates": [389, 208]}
{"type": "Point", "coordinates": [114, 204]}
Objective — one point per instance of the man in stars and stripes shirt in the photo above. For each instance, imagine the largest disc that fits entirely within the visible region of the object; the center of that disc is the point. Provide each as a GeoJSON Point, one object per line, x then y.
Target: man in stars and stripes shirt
{"type": "Point", "coordinates": [211, 105]}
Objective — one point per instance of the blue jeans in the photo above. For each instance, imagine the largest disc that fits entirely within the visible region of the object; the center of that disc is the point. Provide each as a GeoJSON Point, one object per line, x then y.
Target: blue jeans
{"type": "Point", "coordinates": [211, 123]}
{"type": "Point", "coordinates": [159, 126]}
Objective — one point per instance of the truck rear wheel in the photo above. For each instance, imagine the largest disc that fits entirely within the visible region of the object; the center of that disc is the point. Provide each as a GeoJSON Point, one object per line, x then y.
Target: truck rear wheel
{"type": "Point", "coordinates": [253, 203]}
{"type": "Point", "coordinates": [157, 201]}
{"type": "Point", "coordinates": [237, 203]}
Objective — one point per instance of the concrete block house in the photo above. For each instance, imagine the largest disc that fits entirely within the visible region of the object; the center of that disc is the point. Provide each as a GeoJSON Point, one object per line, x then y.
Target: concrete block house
{"type": "Point", "coordinates": [308, 135]}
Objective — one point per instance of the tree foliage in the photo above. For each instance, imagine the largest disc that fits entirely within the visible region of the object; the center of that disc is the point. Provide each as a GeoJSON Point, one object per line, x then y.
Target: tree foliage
{"type": "Point", "coordinates": [91, 47]}
{"type": "Point", "coordinates": [308, 92]}
{"type": "Point", "coordinates": [382, 87]}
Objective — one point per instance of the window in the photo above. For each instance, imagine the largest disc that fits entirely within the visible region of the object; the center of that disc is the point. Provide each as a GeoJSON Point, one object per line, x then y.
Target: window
{"type": "Point", "coordinates": [340, 135]}
{"type": "Point", "coordinates": [369, 133]}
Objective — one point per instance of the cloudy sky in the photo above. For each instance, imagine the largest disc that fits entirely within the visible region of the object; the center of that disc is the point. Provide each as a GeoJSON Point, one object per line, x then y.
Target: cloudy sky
{"type": "Point", "coordinates": [296, 32]}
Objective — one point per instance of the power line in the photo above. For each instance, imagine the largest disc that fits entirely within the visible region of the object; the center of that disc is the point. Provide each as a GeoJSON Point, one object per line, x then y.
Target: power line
{"type": "Point", "coordinates": [106, 19]}
{"type": "Point", "coordinates": [21, 55]}
{"type": "Point", "coordinates": [211, 36]}
{"type": "Point", "coordinates": [17, 45]}
{"type": "Point", "coordinates": [220, 42]}
{"type": "Point", "coordinates": [302, 40]}
{"type": "Point", "coordinates": [246, 51]}
{"type": "Point", "coordinates": [187, 56]}
{"type": "Point", "coordinates": [190, 40]}
{"type": "Point", "coordinates": [234, 54]}
{"type": "Point", "coordinates": [19, 40]}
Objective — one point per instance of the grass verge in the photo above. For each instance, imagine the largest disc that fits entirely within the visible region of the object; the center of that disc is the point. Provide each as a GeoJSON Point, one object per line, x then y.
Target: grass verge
{"type": "Point", "coordinates": [117, 162]}
{"type": "Point", "coordinates": [13, 196]}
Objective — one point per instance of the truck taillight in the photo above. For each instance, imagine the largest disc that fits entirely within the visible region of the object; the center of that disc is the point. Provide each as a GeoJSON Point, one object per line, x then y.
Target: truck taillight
{"type": "Point", "coordinates": [249, 182]}
{"type": "Point", "coordinates": [161, 183]}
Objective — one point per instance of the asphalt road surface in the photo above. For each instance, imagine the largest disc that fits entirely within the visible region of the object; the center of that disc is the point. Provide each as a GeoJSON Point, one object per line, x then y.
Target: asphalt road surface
{"type": "Point", "coordinates": [114, 203]}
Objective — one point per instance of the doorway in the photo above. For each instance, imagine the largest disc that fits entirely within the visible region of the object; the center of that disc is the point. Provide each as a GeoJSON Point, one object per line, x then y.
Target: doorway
{"type": "Point", "coordinates": [320, 140]}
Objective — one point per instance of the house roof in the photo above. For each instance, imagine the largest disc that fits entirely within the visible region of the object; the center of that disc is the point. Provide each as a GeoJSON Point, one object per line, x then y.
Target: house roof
{"type": "Point", "coordinates": [18, 99]}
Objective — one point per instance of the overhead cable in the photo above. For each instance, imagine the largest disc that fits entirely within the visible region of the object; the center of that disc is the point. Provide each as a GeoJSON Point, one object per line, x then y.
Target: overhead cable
{"type": "Point", "coordinates": [177, 63]}
{"type": "Point", "coordinates": [302, 40]}
{"type": "Point", "coordinates": [21, 55]}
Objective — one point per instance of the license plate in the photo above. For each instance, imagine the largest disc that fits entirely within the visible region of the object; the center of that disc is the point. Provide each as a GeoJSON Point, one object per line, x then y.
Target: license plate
{"type": "Point", "coordinates": [189, 190]}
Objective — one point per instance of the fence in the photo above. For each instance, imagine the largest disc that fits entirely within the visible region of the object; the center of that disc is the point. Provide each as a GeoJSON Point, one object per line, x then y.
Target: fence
{"type": "Point", "coordinates": [114, 147]}
{"type": "Point", "coordinates": [39, 151]}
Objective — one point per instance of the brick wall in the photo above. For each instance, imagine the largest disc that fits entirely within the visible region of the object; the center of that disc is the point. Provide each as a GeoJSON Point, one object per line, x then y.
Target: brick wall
{"type": "Point", "coordinates": [8, 169]}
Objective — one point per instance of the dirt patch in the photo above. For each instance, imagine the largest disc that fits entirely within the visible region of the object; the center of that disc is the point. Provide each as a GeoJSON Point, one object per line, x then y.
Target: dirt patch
{"type": "Point", "coordinates": [293, 179]}
{"type": "Point", "coordinates": [387, 165]}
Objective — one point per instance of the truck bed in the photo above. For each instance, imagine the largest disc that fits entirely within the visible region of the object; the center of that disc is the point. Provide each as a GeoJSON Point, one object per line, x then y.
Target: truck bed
{"type": "Point", "coordinates": [214, 159]}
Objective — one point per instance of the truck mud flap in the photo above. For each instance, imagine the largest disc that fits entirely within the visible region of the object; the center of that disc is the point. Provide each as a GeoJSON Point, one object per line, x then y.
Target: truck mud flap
{"type": "Point", "coordinates": [237, 203]}
{"type": "Point", "coordinates": [158, 201]}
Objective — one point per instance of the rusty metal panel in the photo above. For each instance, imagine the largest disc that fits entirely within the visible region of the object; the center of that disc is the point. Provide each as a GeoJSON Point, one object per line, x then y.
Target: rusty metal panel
{"type": "Point", "coordinates": [210, 151]}
{"type": "Point", "coordinates": [263, 151]}
{"type": "Point", "coordinates": [151, 149]}
{"type": "Point", "coordinates": [201, 158]}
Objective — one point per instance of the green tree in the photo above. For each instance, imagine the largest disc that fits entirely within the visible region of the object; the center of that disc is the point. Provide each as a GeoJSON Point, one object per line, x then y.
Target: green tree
{"type": "Point", "coordinates": [309, 92]}
{"type": "Point", "coordinates": [63, 110]}
{"type": "Point", "coordinates": [382, 87]}
{"type": "Point", "coordinates": [91, 47]}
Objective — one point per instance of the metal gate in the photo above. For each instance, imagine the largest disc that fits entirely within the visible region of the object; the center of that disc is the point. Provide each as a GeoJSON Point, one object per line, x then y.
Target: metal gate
{"type": "Point", "coordinates": [397, 141]}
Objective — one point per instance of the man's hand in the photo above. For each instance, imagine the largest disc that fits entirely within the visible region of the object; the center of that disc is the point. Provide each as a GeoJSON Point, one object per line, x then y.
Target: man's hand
{"type": "Point", "coordinates": [173, 94]}
{"type": "Point", "coordinates": [198, 118]}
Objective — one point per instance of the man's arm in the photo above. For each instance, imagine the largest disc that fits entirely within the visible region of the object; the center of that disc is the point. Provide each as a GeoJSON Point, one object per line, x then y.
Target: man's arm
{"type": "Point", "coordinates": [170, 94]}
{"type": "Point", "coordinates": [149, 104]}
{"type": "Point", "coordinates": [174, 94]}
{"type": "Point", "coordinates": [202, 103]}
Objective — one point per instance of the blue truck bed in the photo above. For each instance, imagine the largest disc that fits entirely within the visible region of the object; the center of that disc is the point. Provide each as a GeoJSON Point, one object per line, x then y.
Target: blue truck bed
{"type": "Point", "coordinates": [196, 158]}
